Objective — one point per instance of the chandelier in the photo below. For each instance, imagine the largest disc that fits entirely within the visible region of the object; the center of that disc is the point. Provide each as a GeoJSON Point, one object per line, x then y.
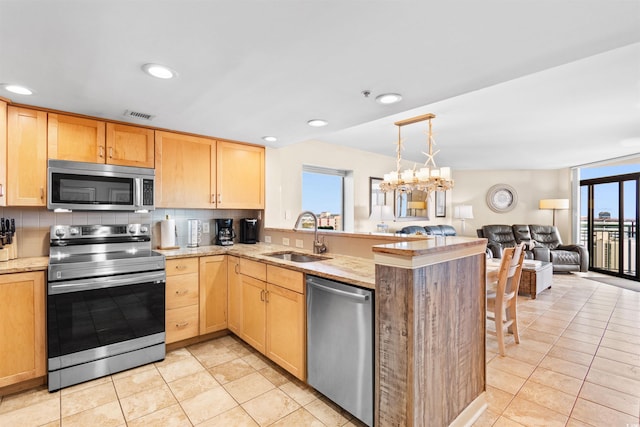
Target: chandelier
{"type": "Point", "coordinates": [427, 179]}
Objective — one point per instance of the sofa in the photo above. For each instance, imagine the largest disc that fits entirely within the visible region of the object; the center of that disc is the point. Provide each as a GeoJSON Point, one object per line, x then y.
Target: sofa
{"type": "Point", "coordinates": [430, 230]}
{"type": "Point", "coordinates": [543, 244]}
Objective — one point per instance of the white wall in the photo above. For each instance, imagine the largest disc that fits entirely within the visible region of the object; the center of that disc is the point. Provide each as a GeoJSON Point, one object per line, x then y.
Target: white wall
{"type": "Point", "coordinates": [531, 185]}
{"type": "Point", "coordinates": [284, 179]}
{"type": "Point", "coordinates": [284, 176]}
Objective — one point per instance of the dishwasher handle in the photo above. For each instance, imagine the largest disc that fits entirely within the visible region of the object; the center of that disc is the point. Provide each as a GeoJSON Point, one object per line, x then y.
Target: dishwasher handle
{"type": "Point", "coordinates": [358, 297]}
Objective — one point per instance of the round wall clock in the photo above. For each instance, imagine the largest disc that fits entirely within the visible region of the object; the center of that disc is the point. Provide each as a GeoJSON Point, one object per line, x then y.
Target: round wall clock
{"type": "Point", "coordinates": [502, 198]}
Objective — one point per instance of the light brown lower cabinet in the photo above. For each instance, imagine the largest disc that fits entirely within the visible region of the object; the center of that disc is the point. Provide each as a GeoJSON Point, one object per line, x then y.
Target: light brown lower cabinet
{"type": "Point", "coordinates": [22, 327]}
{"type": "Point", "coordinates": [182, 297]}
{"type": "Point", "coordinates": [254, 313]}
{"type": "Point", "coordinates": [262, 304]}
{"type": "Point", "coordinates": [286, 329]}
{"type": "Point", "coordinates": [273, 317]}
{"type": "Point", "coordinates": [213, 294]}
{"type": "Point", "coordinates": [234, 295]}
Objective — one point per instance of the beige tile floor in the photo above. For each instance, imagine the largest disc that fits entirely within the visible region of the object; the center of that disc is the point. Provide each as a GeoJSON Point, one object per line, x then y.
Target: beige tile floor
{"type": "Point", "coordinates": [577, 364]}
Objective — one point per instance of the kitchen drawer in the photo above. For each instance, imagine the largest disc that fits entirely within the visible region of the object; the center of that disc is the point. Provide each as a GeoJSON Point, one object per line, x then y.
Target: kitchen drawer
{"type": "Point", "coordinates": [253, 269]}
{"type": "Point", "coordinates": [292, 280]}
{"type": "Point", "coordinates": [182, 323]}
{"type": "Point", "coordinates": [182, 266]}
{"type": "Point", "coordinates": [182, 290]}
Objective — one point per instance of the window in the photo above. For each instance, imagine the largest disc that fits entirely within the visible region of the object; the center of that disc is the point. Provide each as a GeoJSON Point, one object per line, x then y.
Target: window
{"type": "Point", "coordinates": [323, 194]}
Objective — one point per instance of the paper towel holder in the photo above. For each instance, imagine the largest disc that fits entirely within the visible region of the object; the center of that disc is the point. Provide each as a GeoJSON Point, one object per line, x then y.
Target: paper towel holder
{"type": "Point", "coordinates": [168, 226]}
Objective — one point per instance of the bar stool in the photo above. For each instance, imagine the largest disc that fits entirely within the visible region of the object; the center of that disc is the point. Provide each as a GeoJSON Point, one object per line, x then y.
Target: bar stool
{"type": "Point", "coordinates": [503, 300]}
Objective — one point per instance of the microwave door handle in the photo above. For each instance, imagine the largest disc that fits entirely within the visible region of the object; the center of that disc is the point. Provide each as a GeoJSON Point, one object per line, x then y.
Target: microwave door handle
{"type": "Point", "coordinates": [137, 195]}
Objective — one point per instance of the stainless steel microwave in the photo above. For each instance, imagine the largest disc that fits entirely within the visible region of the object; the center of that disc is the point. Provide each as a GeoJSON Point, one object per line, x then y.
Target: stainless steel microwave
{"type": "Point", "coordinates": [95, 186]}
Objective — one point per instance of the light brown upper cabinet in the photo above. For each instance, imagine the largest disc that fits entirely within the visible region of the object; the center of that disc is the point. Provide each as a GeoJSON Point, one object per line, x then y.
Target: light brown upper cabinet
{"type": "Point", "coordinates": [94, 141]}
{"type": "Point", "coordinates": [240, 176]}
{"type": "Point", "coordinates": [3, 153]}
{"type": "Point", "coordinates": [130, 146]}
{"type": "Point", "coordinates": [75, 138]}
{"type": "Point", "coordinates": [26, 157]}
{"type": "Point", "coordinates": [185, 171]}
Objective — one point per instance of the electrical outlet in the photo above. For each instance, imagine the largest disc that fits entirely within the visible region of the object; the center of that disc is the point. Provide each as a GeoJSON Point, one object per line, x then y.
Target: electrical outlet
{"type": "Point", "coordinates": [267, 239]}
{"type": "Point", "coordinates": [285, 241]}
{"type": "Point", "coordinates": [299, 243]}
{"type": "Point", "coordinates": [205, 227]}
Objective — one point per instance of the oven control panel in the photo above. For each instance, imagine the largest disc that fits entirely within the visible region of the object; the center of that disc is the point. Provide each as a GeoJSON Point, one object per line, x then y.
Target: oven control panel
{"type": "Point", "coordinates": [59, 232]}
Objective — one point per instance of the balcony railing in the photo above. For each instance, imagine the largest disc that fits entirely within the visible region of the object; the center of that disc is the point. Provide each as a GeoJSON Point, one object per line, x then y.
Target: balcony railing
{"type": "Point", "coordinates": [607, 241]}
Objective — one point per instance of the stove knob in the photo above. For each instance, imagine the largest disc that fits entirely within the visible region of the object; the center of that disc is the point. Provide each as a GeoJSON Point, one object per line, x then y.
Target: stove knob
{"type": "Point", "coordinates": [132, 229]}
{"type": "Point", "coordinates": [59, 232]}
{"type": "Point", "coordinates": [144, 229]}
{"type": "Point", "coordinates": [74, 231]}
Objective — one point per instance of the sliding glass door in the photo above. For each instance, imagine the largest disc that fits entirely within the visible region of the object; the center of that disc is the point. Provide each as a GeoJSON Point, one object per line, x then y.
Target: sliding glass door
{"type": "Point", "coordinates": [609, 219]}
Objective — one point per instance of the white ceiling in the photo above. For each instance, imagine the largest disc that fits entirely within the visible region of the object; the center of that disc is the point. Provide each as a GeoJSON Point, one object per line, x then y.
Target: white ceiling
{"type": "Point", "coordinates": [515, 84]}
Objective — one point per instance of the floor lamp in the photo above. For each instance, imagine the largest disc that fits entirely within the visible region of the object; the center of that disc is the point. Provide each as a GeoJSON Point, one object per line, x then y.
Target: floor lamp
{"type": "Point", "coordinates": [554, 204]}
{"type": "Point", "coordinates": [462, 213]}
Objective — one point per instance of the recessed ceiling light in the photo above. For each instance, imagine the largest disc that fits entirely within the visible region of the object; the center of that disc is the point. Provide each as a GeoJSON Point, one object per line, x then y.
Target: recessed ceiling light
{"type": "Point", "coordinates": [159, 71]}
{"type": "Point", "coordinates": [270, 138]}
{"type": "Point", "coordinates": [20, 90]}
{"type": "Point", "coordinates": [317, 123]}
{"type": "Point", "coordinates": [388, 98]}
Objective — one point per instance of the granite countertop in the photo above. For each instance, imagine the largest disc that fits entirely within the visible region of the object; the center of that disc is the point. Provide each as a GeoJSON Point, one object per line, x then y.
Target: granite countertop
{"type": "Point", "coordinates": [21, 265]}
{"type": "Point", "coordinates": [344, 268]}
{"type": "Point", "coordinates": [348, 269]}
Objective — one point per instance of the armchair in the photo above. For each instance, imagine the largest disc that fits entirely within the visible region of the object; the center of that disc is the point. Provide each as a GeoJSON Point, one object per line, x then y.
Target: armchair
{"type": "Point", "coordinates": [544, 242]}
{"type": "Point", "coordinates": [549, 248]}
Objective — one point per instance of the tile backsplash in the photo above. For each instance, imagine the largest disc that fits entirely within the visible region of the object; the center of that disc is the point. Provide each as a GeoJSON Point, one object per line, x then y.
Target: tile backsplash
{"type": "Point", "coordinates": [33, 224]}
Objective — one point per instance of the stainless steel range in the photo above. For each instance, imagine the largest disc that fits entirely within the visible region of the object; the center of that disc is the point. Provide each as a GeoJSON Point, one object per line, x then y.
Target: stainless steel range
{"type": "Point", "coordinates": [105, 302]}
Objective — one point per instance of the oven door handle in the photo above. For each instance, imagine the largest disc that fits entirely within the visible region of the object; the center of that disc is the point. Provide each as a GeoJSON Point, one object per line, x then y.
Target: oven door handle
{"type": "Point", "coordinates": [105, 282]}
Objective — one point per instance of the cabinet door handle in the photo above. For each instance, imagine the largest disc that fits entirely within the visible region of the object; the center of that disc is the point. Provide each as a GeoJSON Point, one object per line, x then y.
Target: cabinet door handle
{"type": "Point", "coordinates": [213, 198]}
{"type": "Point", "coordinates": [101, 152]}
{"type": "Point", "coordinates": [266, 296]}
{"type": "Point", "coordinates": [181, 292]}
{"type": "Point", "coordinates": [182, 324]}
{"type": "Point", "coordinates": [219, 198]}
{"type": "Point", "coordinates": [181, 267]}
{"type": "Point", "coordinates": [111, 152]}
{"type": "Point", "coordinates": [262, 295]}
{"type": "Point", "coordinates": [236, 268]}
{"type": "Point", "coordinates": [1, 190]}
{"type": "Point", "coordinates": [41, 193]}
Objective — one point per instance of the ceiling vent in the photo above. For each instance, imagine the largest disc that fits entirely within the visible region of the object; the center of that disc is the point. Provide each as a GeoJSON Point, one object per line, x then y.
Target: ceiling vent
{"type": "Point", "coordinates": [138, 115]}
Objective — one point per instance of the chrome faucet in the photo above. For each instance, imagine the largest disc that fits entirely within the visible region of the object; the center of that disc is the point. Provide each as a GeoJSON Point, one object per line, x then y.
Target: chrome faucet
{"type": "Point", "coordinates": [318, 246]}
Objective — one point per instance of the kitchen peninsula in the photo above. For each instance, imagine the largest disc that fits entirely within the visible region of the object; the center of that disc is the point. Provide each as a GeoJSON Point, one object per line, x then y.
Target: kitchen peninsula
{"type": "Point", "coordinates": [430, 332]}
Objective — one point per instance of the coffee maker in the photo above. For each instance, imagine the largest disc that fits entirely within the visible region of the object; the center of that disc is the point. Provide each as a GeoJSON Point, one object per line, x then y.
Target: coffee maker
{"type": "Point", "coordinates": [224, 234]}
{"type": "Point", "coordinates": [248, 230]}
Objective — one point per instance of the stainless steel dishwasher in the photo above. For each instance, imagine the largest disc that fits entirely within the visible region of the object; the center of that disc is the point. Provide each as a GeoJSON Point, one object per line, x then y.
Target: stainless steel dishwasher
{"type": "Point", "coordinates": [340, 344]}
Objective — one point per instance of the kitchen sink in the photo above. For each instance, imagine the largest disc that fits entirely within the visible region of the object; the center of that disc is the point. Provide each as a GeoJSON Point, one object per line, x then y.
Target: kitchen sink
{"type": "Point", "coordinates": [296, 256]}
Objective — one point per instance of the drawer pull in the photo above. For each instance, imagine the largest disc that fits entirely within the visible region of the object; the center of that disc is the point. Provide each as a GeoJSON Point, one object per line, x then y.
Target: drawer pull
{"type": "Point", "coordinates": [181, 267]}
{"type": "Point", "coordinates": [182, 325]}
{"type": "Point", "coordinates": [182, 292]}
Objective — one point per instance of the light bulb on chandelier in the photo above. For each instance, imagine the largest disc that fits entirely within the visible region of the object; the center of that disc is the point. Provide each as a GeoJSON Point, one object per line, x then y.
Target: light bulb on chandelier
{"type": "Point", "coordinates": [429, 178]}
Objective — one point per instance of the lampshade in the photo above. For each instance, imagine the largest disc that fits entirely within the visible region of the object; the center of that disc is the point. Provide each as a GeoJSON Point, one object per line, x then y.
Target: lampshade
{"type": "Point", "coordinates": [417, 205]}
{"type": "Point", "coordinates": [554, 204]}
{"type": "Point", "coordinates": [381, 213]}
{"type": "Point", "coordinates": [463, 212]}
